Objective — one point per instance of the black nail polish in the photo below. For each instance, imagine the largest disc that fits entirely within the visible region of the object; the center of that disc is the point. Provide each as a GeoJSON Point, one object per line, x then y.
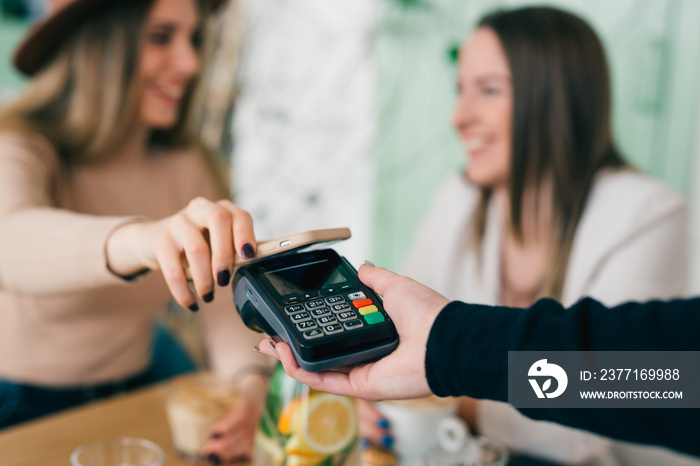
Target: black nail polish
{"type": "Point", "coordinates": [209, 297]}
{"type": "Point", "coordinates": [223, 277]}
{"type": "Point", "coordinates": [247, 251]}
{"type": "Point", "coordinates": [193, 307]}
{"type": "Point", "coordinates": [213, 458]}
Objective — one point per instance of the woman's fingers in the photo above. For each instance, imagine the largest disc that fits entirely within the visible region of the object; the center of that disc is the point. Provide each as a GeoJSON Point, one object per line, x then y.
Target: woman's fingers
{"type": "Point", "coordinates": [168, 254]}
{"type": "Point", "coordinates": [196, 249]}
{"type": "Point", "coordinates": [218, 222]}
{"type": "Point", "coordinates": [373, 426]}
{"type": "Point", "coordinates": [232, 437]}
{"type": "Point", "coordinates": [242, 229]}
{"type": "Point", "coordinates": [205, 233]}
{"type": "Point", "coordinates": [203, 238]}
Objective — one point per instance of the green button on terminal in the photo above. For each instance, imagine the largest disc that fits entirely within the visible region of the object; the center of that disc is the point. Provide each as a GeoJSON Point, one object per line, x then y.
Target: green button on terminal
{"type": "Point", "coordinates": [374, 318]}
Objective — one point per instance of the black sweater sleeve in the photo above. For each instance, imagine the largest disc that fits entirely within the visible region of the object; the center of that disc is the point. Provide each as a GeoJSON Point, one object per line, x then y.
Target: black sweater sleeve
{"type": "Point", "coordinates": [467, 354]}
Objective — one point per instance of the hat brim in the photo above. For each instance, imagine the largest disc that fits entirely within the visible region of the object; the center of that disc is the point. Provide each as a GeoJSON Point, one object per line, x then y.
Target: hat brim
{"type": "Point", "coordinates": [43, 39]}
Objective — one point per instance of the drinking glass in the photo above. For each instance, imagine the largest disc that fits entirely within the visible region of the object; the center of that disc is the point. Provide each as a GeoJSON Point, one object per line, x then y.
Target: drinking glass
{"type": "Point", "coordinates": [118, 452]}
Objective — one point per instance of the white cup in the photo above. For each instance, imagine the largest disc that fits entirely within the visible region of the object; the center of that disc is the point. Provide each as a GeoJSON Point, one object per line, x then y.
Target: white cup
{"type": "Point", "coordinates": [414, 424]}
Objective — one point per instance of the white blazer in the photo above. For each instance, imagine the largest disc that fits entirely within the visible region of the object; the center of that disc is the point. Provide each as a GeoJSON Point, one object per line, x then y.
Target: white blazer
{"type": "Point", "coordinates": [631, 244]}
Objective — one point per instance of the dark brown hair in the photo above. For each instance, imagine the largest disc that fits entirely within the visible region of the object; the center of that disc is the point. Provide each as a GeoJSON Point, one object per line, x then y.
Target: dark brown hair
{"type": "Point", "coordinates": [561, 127]}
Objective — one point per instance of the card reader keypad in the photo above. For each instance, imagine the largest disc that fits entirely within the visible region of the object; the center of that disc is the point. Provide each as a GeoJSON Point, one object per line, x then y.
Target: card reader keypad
{"type": "Point", "coordinates": [334, 314]}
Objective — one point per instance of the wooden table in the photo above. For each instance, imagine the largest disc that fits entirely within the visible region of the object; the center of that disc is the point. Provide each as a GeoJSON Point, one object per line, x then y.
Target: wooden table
{"type": "Point", "coordinates": [50, 440]}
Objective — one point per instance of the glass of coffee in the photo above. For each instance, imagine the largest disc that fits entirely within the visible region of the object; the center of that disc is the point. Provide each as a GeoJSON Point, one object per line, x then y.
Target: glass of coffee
{"type": "Point", "coordinates": [194, 404]}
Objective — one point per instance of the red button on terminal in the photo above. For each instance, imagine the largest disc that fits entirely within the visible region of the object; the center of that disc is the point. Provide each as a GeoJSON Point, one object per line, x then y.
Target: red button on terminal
{"type": "Point", "coordinates": [358, 303]}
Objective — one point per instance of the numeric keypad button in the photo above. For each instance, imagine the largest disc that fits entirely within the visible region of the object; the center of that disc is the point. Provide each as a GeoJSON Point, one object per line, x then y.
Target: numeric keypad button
{"type": "Point", "coordinates": [320, 312]}
{"type": "Point", "coordinates": [293, 308]}
{"type": "Point", "coordinates": [306, 325]}
{"type": "Point", "coordinates": [314, 304]}
{"type": "Point", "coordinates": [332, 329]}
{"type": "Point", "coordinates": [340, 307]}
{"type": "Point", "coordinates": [347, 315]}
{"type": "Point", "coordinates": [300, 317]}
{"type": "Point", "coordinates": [325, 320]}
{"type": "Point", "coordinates": [334, 300]}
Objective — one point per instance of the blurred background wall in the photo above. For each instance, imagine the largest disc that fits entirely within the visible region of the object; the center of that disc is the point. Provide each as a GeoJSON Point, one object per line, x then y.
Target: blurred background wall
{"type": "Point", "coordinates": [341, 112]}
{"type": "Point", "coordinates": [14, 18]}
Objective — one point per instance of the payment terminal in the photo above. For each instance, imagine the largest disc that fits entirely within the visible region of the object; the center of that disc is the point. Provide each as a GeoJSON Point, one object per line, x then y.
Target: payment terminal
{"type": "Point", "coordinates": [315, 302]}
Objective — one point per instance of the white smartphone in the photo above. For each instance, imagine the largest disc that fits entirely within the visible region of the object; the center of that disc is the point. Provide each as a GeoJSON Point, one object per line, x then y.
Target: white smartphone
{"type": "Point", "coordinates": [264, 249]}
{"type": "Point", "coordinates": [297, 241]}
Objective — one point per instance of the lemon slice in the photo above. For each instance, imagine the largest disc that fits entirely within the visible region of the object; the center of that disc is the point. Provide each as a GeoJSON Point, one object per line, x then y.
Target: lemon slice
{"type": "Point", "coordinates": [296, 446]}
{"type": "Point", "coordinates": [329, 424]}
{"type": "Point", "coordinates": [301, 460]}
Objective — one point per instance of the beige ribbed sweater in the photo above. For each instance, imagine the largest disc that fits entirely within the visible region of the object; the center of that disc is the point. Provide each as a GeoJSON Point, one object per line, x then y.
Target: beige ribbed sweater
{"type": "Point", "coordinates": [65, 319]}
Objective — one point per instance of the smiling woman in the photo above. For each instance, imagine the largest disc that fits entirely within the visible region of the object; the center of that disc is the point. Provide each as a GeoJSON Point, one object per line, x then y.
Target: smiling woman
{"type": "Point", "coordinates": [169, 60]}
{"type": "Point", "coordinates": [105, 192]}
{"type": "Point", "coordinates": [547, 206]}
{"type": "Point", "coordinates": [484, 109]}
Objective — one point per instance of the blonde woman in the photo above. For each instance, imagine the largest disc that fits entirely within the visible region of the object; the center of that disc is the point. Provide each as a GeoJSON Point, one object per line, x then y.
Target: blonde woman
{"type": "Point", "coordinates": [546, 207]}
{"type": "Point", "coordinates": [104, 189]}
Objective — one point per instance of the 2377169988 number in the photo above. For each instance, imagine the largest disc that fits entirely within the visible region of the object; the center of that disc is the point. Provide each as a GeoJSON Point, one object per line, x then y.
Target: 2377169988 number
{"type": "Point", "coordinates": [639, 374]}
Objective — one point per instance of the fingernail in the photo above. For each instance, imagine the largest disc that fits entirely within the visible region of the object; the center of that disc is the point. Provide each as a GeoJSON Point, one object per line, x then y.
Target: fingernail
{"type": "Point", "coordinates": [369, 263]}
{"type": "Point", "coordinates": [216, 435]}
{"type": "Point", "coordinates": [274, 351]}
{"type": "Point", "coordinates": [213, 458]}
{"type": "Point", "coordinates": [223, 277]}
{"type": "Point", "coordinates": [387, 441]}
{"type": "Point", "coordinates": [364, 443]}
{"type": "Point", "coordinates": [257, 347]}
{"type": "Point", "coordinates": [209, 297]}
{"type": "Point", "coordinates": [247, 251]}
{"type": "Point", "coordinates": [383, 423]}
{"type": "Point", "coordinates": [193, 307]}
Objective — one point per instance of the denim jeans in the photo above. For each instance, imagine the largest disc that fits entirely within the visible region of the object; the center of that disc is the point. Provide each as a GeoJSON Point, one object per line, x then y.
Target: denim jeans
{"type": "Point", "coordinates": [22, 402]}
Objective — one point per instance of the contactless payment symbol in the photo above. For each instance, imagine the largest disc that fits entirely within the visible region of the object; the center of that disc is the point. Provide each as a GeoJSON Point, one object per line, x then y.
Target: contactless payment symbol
{"type": "Point", "coordinates": [542, 369]}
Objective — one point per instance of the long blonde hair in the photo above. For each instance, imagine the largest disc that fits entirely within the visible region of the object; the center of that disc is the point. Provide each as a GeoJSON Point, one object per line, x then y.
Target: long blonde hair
{"type": "Point", "coordinates": [85, 100]}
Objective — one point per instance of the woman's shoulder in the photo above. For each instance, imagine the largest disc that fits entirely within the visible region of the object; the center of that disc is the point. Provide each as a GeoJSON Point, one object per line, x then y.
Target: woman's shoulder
{"type": "Point", "coordinates": [633, 218]}
{"type": "Point", "coordinates": [453, 202]}
{"type": "Point", "coordinates": [627, 193]}
{"type": "Point", "coordinates": [28, 147]}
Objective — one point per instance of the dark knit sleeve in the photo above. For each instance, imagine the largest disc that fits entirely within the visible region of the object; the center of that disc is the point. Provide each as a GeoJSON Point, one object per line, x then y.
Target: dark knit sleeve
{"type": "Point", "coordinates": [467, 354]}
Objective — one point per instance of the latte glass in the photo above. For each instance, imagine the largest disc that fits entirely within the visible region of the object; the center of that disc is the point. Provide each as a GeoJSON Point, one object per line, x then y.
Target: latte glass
{"type": "Point", "coordinates": [194, 404]}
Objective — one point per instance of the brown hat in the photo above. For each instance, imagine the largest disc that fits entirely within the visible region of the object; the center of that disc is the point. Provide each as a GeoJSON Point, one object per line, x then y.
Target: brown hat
{"type": "Point", "coordinates": [43, 39]}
